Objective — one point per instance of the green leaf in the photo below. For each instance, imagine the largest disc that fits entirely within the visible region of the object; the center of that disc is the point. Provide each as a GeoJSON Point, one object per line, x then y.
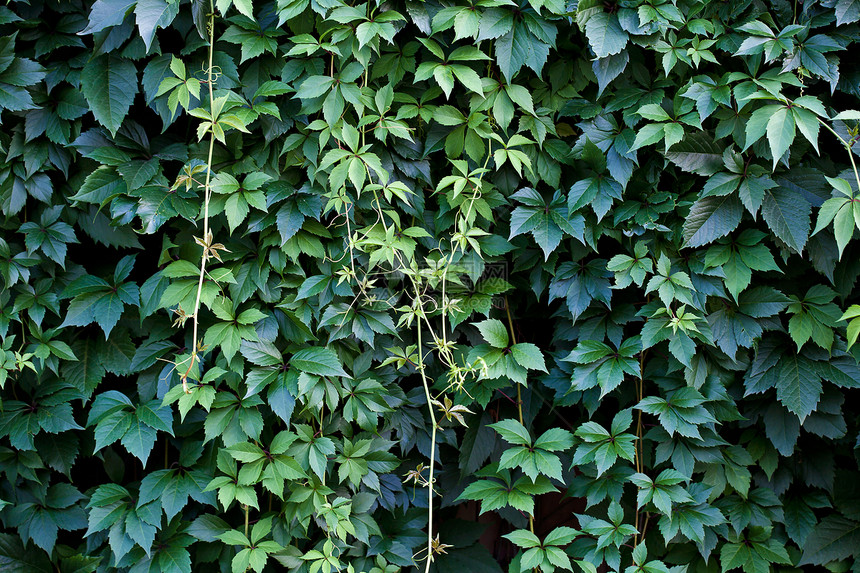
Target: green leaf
{"type": "Point", "coordinates": [208, 527]}
{"type": "Point", "coordinates": [605, 34]}
{"type": "Point", "coordinates": [523, 538]}
{"type": "Point", "coordinates": [711, 218]}
{"type": "Point", "coordinates": [109, 83]}
{"type": "Point", "coordinates": [780, 132]}
{"type": "Point", "coordinates": [152, 14]}
{"type": "Point", "coordinates": [588, 351]}
{"type": "Point", "coordinates": [261, 353]}
{"type": "Point", "coordinates": [102, 306]}
{"type": "Point", "coordinates": [547, 222]}
{"type": "Point", "coordinates": [519, 48]}
{"type": "Point", "coordinates": [721, 184]}
{"type": "Point", "coordinates": [851, 114]}
{"type": "Point", "coordinates": [648, 135]}
{"type": "Point", "coordinates": [156, 416]}
{"type": "Point", "coordinates": [494, 332]}
{"type": "Point", "coordinates": [469, 78]}
{"type": "Point", "coordinates": [528, 356]}
{"type": "Point", "coordinates": [233, 537]}
{"type": "Point", "coordinates": [244, 7]}
{"type": "Point", "coordinates": [101, 184]}
{"type": "Point", "coordinates": [139, 440]}
{"type": "Point", "coordinates": [697, 153]}
{"type": "Point", "coordinates": [554, 439]}
{"type": "Point", "coordinates": [787, 213]}
{"type": "Point", "coordinates": [560, 536]}
{"type": "Point", "coordinates": [139, 531]}
{"type": "Point", "coordinates": [112, 428]}
{"type": "Point", "coordinates": [107, 13]}
{"type": "Point", "coordinates": [834, 538]}
{"type": "Point", "coordinates": [512, 432]}
{"type": "Point", "coordinates": [494, 495]}
{"type": "Point", "coordinates": [808, 125]}
{"type": "Point", "coordinates": [319, 361]}
{"type": "Point", "coordinates": [798, 385]}
{"type": "Point", "coordinates": [15, 558]}
{"type": "Point", "coordinates": [843, 226]}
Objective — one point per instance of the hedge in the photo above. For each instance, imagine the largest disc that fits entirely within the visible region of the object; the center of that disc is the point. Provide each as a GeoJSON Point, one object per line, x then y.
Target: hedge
{"type": "Point", "coordinates": [460, 285]}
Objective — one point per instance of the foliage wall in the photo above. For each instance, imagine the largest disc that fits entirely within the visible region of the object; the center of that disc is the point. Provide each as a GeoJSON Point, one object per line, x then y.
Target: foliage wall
{"type": "Point", "coordinates": [521, 285]}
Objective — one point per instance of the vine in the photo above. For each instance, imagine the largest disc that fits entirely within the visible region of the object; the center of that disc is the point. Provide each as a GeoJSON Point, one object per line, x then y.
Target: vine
{"type": "Point", "coordinates": [207, 240]}
{"type": "Point", "coordinates": [642, 186]}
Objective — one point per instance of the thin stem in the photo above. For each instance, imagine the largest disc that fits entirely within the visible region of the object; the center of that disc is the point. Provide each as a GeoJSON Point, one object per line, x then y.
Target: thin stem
{"type": "Point", "coordinates": [247, 511]}
{"type": "Point", "coordinates": [322, 416]}
{"type": "Point", "coordinates": [426, 385]}
{"type": "Point", "coordinates": [381, 112]}
{"type": "Point", "coordinates": [639, 430]}
{"type": "Point", "coordinates": [519, 392]}
{"type": "Point", "coordinates": [645, 525]}
{"type": "Point", "coordinates": [206, 194]}
{"type": "Point", "coordinates": [514, 341]}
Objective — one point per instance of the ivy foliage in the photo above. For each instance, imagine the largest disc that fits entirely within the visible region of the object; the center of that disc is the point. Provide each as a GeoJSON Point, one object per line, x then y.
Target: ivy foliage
{"type": "Point", "coordinates": [473, 285]}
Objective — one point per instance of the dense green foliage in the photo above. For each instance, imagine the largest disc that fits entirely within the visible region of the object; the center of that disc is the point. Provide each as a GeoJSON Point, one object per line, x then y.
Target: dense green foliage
{"type": "Point", "coordinates": [310, 285]}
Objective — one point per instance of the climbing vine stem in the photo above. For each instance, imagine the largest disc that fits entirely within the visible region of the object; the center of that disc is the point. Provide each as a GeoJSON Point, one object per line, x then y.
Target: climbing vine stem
{"type": "Point", "coordinates": [207, 240]}
{"type": "Point", "coordinates": [433, 425]}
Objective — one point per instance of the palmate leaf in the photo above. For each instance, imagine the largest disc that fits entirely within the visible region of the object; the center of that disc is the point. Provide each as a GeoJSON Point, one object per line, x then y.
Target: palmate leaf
{"type": "Point", "coordinates": [168, 488]}
{"type": "Point", "coordinates": [532, 461]}
{"type": "Point", "coordinates": [104, 307]}
{"type": "Point", "coordinates": [495, 495]}
{"type": "Point", "coordinates": [602, 447]}
{"type": "Point", "coordinates": [752, 556]}
{"type": "Point", "coordinates": [599, 192]}
{"type": "Point", "coordinates": [547, 222]}
{"type": "Point", "coordinates": [690, 521]}
{"type": "Point", "coordinates": [95, 300]}
{"type": "Point", "coordinates": [301, 300]}
{"type": "Point", "coordinates": [603, 366]}
{"type": "Point", "coordinates": [518, 48]}
{"type": "Point", "coordinates": [50, 236]}
{"type": "Point", "coordinates": [682, 412]}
